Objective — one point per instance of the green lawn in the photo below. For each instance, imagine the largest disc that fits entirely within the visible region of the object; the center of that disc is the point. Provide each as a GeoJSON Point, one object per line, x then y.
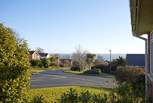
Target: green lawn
{"type": "Point", "coordinates": [36, 70]}
{"type": "Point", "coordinates": [53, 94]}
{"type": "Point", "coordinates": [73, 72]}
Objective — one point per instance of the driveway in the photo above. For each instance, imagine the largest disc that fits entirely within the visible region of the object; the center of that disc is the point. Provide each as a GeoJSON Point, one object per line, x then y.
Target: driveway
{"type": "Point", "coordinates": [59, 78]}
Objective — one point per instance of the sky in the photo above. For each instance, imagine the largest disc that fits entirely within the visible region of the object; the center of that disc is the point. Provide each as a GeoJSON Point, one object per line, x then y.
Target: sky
{"type": "Point", "coordinates": [59, 26]}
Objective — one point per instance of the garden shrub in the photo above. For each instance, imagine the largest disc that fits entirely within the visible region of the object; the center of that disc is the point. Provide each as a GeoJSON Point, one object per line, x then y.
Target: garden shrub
{"type": "Point", "coordinates": [75, 68]}
{"type": "Point", "coordinates": [120, 61]}
{"type": "Point", "coordinates": [36, 63]}
{"type": "Point", "coordinates": [45, 62]}
{"type": "Point", "coordinates": [14, 67]}
{"type": "Point", "coordinates": [93, 71]}
{"type": "Point", "coordinates": [102, 67]}
{"type": "Point", "coordinates": [70, 97]}
{"type": "Point", "coordinates": [122, 94]}
{"type": "Point", "coordinates": [39, 99]}
{"type": "Point", "coordinates": [100, 98]}
{"type": "Point", "coordinates": [85, 97]}
{"type": "Point", "coordinates": [135, 79]}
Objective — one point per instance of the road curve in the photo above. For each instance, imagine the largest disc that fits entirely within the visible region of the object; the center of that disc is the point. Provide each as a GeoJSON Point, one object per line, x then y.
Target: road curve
{"type": "Point", "coordinates": [54, 78]}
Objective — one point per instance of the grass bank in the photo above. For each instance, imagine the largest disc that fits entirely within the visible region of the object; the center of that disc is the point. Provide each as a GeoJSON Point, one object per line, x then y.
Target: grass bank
{"type": "Point", "coordinates": [36, 70]}
{"type": "Point", "coordinates": [73, 72]}
{"type": "Point", "coordinates": [53, 94]}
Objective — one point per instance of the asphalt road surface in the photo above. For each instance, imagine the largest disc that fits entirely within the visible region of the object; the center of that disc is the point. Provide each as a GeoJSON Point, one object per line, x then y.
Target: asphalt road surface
{"type": "Point", "coordinates": [59, 78]}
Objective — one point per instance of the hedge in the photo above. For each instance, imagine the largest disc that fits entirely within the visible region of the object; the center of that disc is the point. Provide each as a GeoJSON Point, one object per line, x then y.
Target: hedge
{"type": "Point", "coordinates": [14, 67]}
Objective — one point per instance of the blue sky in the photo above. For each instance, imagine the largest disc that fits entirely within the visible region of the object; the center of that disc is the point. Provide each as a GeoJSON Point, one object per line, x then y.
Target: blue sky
{"type": "Point", "coordinates": [58, 26]}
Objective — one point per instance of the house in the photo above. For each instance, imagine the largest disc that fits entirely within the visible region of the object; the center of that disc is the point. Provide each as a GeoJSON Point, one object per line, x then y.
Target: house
{"type": "Point", "coordinates": [43, 55]}
{"type": "Point", "coordinates": [142, 24]}
{"type": "Point", "coordinates": [34, 55]}
{"type": "Point", "coordinates": [100, 62]}
{"type": "Point", "coordinates": [48, 55]}
{"type": "Point", "coordinates": [135, 60]}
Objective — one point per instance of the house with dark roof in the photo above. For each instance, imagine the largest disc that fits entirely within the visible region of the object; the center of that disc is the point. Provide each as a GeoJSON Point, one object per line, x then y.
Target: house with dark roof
{"type": "Point", "coordinates": [34, 55]}
{"type": "Point", "coordinates": [135, 60]}
{"type": "Point", "coordinates": [43, 55]}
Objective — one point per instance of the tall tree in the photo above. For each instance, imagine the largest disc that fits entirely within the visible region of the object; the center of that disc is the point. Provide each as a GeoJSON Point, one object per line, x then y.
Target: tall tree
{"type": "Point", "coordinates": [14, 67]}
{"type": "Point", "coordinates": [54, 59]}
{"type": "Point", "coordinates": [90, 59]}
{"type": "Point", "coordinates": [119, 61]}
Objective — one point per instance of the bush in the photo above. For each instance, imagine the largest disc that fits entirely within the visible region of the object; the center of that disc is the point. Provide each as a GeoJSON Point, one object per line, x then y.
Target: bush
{"type": "Point", "coordinates": [85, 97]}
{"type": "Point", "coordinates": [70, 97]}
{"type": "Point", "coordinates": [93, 71]}
{"type": "Point", "coordinates": [103, 68]}
{"type": "Point", "coordinates": [134, 77]}
{"type": "Point", "coordinates": [119, 62]}
{"type": "Point", "coordinates": [36, 63]}
{"type": "Point", "coordinates": [122, 94]}
{"type": "Point", "coordinates": [111, 68]}
{"type": "Point", "coordinates": [14, 67]}
{"type": "Point", "coordinates": [75, 68]}
{"type": "Point", "coordinates": [39, 99]}
{"type": "Point", "coordinates": [45, 62]}
{"type": "Point", "coordinates": [100, 98]}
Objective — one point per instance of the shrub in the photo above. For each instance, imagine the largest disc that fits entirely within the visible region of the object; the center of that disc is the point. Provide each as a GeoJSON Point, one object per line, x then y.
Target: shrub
{"type": "Point", "coordinates": [102, 67]}
{"type": "Point", "coordinates": [14, 67]}
{"type": "Point", "coordinates": [133, 77]}
{"type": "Point", "coordinates": [45, 62]}
{"type": "Point", "coordinates": [75, 68]}
{"type": "Point", "coordinates": [100, 98]}
{"type": "Point", "coordinates": [85, 97]}
{"type": "Point", "coordinates": [122, 94]}
{"type": "Point", "coordinates": [93, 71]}
{"type": "Point", "coordinates": [39, 99]}
{"type": "Point", "coordinates": [70, 97]}
{"type": "Point", "coordinates": [119, 61]}
{"type": "Point", "coordinates": [36, 63]}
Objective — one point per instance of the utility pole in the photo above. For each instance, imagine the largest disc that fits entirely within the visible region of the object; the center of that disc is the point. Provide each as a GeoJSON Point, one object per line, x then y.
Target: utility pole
{"type": "Point", "coordinates": [110, 55]}
{"type": "Point", "coordinates": [110, 60]}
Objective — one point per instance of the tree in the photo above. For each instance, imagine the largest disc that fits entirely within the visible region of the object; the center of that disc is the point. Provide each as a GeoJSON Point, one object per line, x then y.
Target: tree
{"type": "Point", "coordinates": [119, 61]}
{"type": "Point", "coordinates": [90, 59]}
{"type": "Point", "coordinates": [79, 58]}
{"type": "Point", "coordinates": [14, 67]}
{"type": "Point", "coordinates": [40, 50]}
{"type": "Point", "coordinates": [45, 62]}
{"type": "Point", "coordinates": [54, 60]}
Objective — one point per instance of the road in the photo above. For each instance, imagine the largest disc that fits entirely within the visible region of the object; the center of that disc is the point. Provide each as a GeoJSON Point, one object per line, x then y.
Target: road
{"type": "Point", "coordinates": [59, 78]}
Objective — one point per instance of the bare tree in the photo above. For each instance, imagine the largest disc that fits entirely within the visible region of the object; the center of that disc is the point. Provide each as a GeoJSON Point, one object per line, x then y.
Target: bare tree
{"type": "Point", "coordinates": [40, 50]}
{"type": "Point", "coordinates": [79, 58]}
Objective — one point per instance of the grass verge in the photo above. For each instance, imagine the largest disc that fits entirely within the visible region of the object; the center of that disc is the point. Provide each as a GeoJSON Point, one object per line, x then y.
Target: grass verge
{"type": "Point", "coordinates": [73, 72]}
{"type": "Point", "coordinates": [37, 70]}
{"type": "Point", "coordinates": [53, 94]}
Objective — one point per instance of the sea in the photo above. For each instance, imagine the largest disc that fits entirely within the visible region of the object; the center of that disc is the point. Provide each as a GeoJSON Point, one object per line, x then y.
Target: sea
{"type": "Point", "coordinates": [98, 56]}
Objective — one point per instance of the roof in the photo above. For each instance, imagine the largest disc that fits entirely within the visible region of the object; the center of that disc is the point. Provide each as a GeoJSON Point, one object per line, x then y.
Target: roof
{"type": "Point", "coordinates": [31, 52]}
{"type": "Point", "coordinates": [43, 54]}
{"type": "Point", "coordinates": [135, 59]}
{"type": "Point", "coordinates": [141, 16]}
